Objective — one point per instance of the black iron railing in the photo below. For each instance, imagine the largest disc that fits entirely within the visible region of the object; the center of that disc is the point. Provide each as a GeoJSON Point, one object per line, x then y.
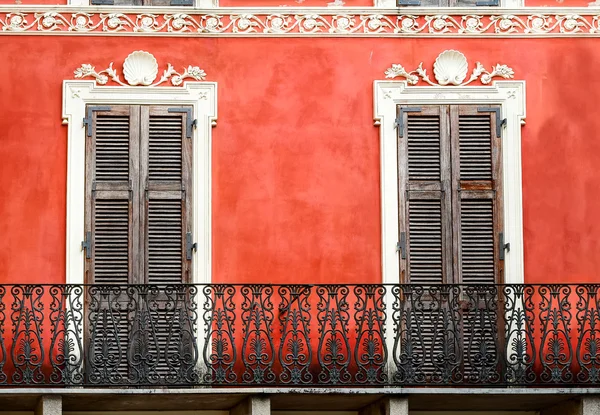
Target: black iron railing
{"type": "Point", "coordinates": [325, 335]}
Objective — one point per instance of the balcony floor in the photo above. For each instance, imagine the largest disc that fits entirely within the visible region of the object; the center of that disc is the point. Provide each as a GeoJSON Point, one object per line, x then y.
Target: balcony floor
{"type": "Point", "coordinates": [292, 399]}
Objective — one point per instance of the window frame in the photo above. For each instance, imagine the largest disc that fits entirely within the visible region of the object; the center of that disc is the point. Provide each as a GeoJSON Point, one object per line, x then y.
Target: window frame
{"type": "Point", "coordinates": [510, 95]}
{"type": "Point", "coordinates": [202, 96]}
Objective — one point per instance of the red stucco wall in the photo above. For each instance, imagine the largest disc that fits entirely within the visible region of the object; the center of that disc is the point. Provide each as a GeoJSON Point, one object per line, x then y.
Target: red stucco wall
{"type": "Point", "coordinates": [295, 154]}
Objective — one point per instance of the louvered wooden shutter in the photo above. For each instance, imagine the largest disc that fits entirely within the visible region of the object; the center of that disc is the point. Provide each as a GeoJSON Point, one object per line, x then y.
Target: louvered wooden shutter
{"type": "Point", "coordinates": [424, 194]}
{"type": "Point", "coordinates": [477, 195]}
{"type": "Point", "coordinates": [112, 160]}
{"type": "Point", "coordinates": [166, 162]}
{"type": "Point", "coordinates": [111, 174]}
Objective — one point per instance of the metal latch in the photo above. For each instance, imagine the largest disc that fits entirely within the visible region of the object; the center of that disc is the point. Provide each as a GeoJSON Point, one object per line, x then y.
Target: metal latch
{"type": "Point", "coordinates": [502, 247]}
{"type": "Point", "coordinates": [400, 119]}
{"type": "Point", "coordinates": [401, 246]}
{"type": "Point", "coordinates": [87, 121]}
{"type": "Point", "coordinates": [189, 245]}
{"type": "Point", "coordinates": [500, 122]}
{"type": "Point", "coordinates": [190, 122]}
{"type": "Point", "coordinates": [87, 245]}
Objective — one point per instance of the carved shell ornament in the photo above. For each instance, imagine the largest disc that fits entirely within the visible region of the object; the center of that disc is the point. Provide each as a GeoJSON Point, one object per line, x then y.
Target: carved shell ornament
{"type": "Point", "coordinates": [450, 68]}
{"type": "Point", "coordinates": [140, 68]}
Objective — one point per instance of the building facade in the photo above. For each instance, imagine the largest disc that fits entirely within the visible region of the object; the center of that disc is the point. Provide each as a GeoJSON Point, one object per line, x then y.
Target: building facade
{"type": "Point", "coordinates": [339, 208]}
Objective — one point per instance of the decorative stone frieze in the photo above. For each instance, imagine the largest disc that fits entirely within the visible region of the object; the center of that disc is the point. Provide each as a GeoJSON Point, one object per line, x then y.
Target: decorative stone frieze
{"type": "Point", "coordinates": [420, 22]}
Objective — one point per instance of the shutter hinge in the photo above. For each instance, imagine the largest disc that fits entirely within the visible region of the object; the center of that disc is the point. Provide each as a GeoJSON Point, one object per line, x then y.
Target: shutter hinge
{"type": "Point", "coordinates": [500, 122]}
{"type": "Point", "coordinates": [502, 247]}
{"type": "Point", "coordinates": [189, 245]}
{"type": "Point", "coordinates": [191, 123]}
{"type": "Point", "coordinates": [102, 2]}
{"type": "Point", "coordinates": [400, 3]}
{"type": "Point", "coordinates": [87, 245]}
{"type": "Point", "coordinates": [401, 246]}
{"type": "Point", "coordinates": [94, 189]}
{"type": "Point", "coordinates": [182, 2]}
{"type": "Point", "coordinates": [87, 120]}
{"type": "Point", "coordinates": [400, 120]}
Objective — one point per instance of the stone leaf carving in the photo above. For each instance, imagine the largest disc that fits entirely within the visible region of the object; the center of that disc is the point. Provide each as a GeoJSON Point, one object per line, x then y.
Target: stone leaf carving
{"type": "Point", "coordinates": [140, 68]}
{"type": "Point", "coordinates": [450, 68]}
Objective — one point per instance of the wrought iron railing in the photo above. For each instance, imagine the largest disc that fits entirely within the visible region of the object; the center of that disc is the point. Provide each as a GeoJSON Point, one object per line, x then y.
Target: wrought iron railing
{"type": "Point", "coordinates": [323, 335]}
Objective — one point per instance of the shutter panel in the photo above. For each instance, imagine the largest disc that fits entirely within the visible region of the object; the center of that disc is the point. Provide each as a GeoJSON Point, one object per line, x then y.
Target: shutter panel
{"type": "Point", "coordinates": [424, 194]}
{"type": "Point", "coordinates": [111, 169]}
{"type": "Point", "coordinates": [165, 177]}
{"type": "Point", "coordinates": [166, 161]}
{"type": "Point", "coordinates": [477, 208]}
{"type": "Point", "coordinates": [477, 195]}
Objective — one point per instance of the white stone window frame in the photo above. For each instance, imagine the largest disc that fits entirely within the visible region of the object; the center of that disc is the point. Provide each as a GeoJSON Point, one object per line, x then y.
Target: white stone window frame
{"type": "Point", "coordinates": [202, 96]}
{"type": "Point", "coordinates": [510, 95]}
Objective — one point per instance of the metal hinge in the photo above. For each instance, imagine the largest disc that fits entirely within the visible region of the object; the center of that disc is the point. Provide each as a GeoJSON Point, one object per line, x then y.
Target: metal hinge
{"type": "Point", "coordinates": [400, 120]}
{"type": "Point", "coordinates": [102, 2]}
{"type": "Point", "coordinates": [87, 121]}
{"type": "Point", "coordinates": [94, 189]}
{"type": "Point", "coordinates": [502, 247]}
{"type": "Point", "coordinates": [190, 122]}
{"type": "Point", "coordinates": [500, 122]}
{"type": "Point", "coordinates": [189, 245]}
{"type": "Point", "coordinates": [87, 245]}
{"type": "Point", "coordinates": [182, 2]}
{"type": "Point", "coordinates": [400, 3]}
{"type": "Point", "coordinates": [487, 3]}
{"type": "Point", "coordinates": [401, 246]}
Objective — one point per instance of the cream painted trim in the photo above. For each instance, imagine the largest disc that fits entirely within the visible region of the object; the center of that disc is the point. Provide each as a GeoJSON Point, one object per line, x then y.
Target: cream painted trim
{"type": "Point", "coordinates": [484, 22]}
{"type": "Point", "coordinates": [511, 96]}
{"type": "Point", "coordinates": [203, 97]}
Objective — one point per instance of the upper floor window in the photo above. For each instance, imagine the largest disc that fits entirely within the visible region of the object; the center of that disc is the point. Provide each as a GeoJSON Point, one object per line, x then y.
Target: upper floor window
{"type": "Point", "coordinates": [138, 195]}
{"type": "Point", "coordinates": [447, 3]}
{"type": "Point", "coordinates": [142, 2]}
{"type": "Point", "coordinates": [450, 194]}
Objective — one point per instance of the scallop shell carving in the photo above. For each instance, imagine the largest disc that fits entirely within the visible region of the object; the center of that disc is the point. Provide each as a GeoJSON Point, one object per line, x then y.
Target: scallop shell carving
{"type": "Point", "coordinates": [140, 68]}
{"type": "Point", "coordinates": [450, 67]}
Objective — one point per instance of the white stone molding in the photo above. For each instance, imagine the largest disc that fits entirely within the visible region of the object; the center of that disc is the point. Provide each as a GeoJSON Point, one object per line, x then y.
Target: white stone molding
{"type": "Point", "coordinates": [305, 22]}
{"type": "Point", "coordinates": [140, 68]}
{"type": "Point", "coordinates": [510, 95]}
{"type": "Point", "coordinates": [202, 96]}
{"type": "Point", "coordinates": [450, 67]}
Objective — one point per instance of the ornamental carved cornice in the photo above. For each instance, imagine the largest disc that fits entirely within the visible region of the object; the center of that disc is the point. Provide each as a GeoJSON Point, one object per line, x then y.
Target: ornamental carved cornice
{"type": "Point", "coordinates": [140, 68]}
{"type": "Point", "coordinates": [335, 21]}
{"type": "Point", "coordinates": [450, 68]}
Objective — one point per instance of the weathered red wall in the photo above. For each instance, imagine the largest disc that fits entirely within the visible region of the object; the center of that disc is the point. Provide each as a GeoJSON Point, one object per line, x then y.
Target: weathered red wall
{"type": "Point", "coordinates": [295, 154]}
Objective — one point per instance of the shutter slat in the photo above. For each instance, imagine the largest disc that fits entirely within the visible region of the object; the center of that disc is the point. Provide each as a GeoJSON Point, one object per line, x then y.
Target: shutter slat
{"type": "Point", "coordinates": [477, 241]}
{"type": "Point", "coordinates": [423, 140]}
{"type": "Point", "coordinates": [475, 147]}
{"type": "Point", "coordinates": [112, 147]}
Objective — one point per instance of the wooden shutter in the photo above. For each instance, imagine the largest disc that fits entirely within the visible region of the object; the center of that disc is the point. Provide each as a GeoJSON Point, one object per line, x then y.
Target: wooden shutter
{"type": "Point", "coordinates": [111, 173]}
{"type": "Point", "coordinates": [476, 195]}
{"type": "Point", "coordinates": [166, 162]}
{"type": "Point", "coordinates": [166, 168]}
{"type": "Point", "coordinates": [424, 194]}
{"type": "Point", "coordinates": [112, 160]}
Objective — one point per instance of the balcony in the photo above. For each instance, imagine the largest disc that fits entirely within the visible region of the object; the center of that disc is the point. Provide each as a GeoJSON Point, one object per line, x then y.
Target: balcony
{"type": "Point", "coordinates": [321, 336]}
